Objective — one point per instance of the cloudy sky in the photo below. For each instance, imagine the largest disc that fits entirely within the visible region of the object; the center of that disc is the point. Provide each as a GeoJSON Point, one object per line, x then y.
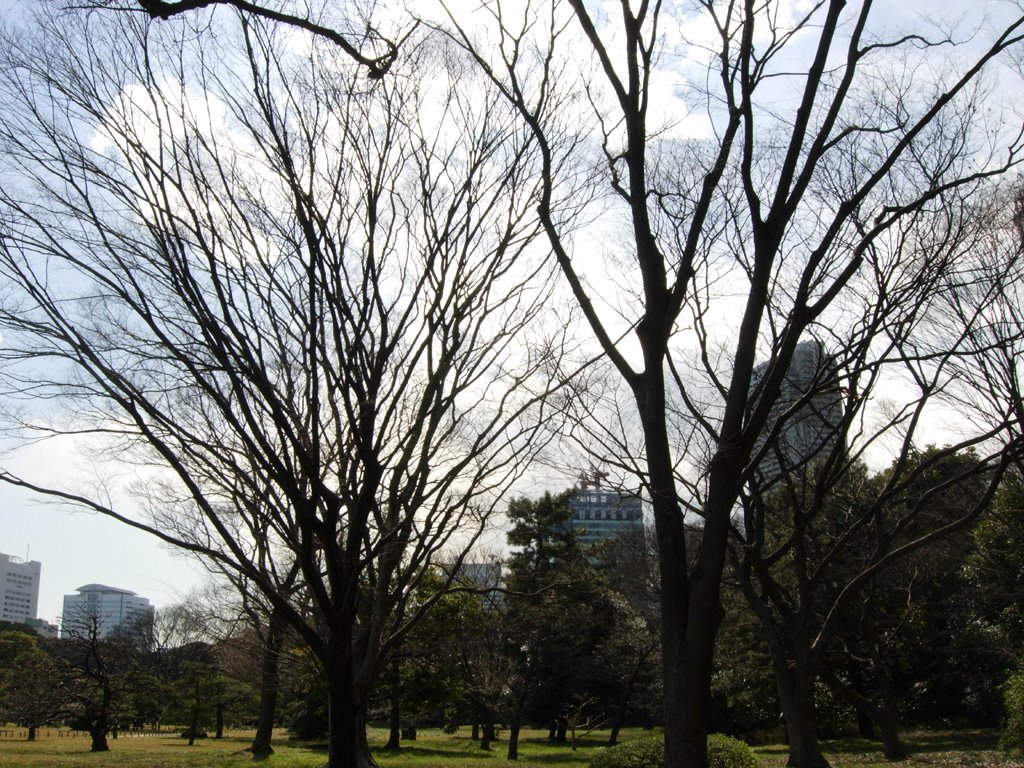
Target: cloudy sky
{"type": "Point", "coordinates": [76, 548]}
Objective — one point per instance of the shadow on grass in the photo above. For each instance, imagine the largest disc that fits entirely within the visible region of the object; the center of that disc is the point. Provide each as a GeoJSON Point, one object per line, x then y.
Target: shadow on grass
{"type": "Point", "coordinates": [532, 751]}
{"type": "Point", "coordinates": [945, 741]}
{"type": "Point", "coordinates": [437, 752]}
{"type": "Point", "coordinates": [915, 742]}
{"type": "Point", "coordinates": [920, 741]}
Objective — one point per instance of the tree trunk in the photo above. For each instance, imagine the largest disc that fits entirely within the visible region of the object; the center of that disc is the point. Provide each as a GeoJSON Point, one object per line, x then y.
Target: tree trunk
{"type": "Point", "coordinates": [892, 747]}
{"type": "Point", "coordinates": [691, 613]}
{"type": "Point", "coordinates": [31, 733]}
{"type": "Point", "coordinates": [514, 728]}
{"type": "Point", "coordinates": [98, 734]}
{"type": "Point", "coordinates": [796, 695]}
{"type": "Point", "coordinates": [269, 680]}
{"type": "Point", "coordinates": [561, 730]}
{"type": "Point", "coordinates": [865, 727]}
{"type": "Point", "coordinates": [219, 733]}
{"type": "Point", "coordinates": [474, 734]}
{"type": "Point", "coordinates": [619, 713]}
{"type": "Point", "coordinates": [691, 606]}
{"type": "Point", "coordinates": [794, 677]}
{"type": "Point", "coordinates": [194, 725]}
{"type": "Point", "coordinates": [488, 731]}
{"type": "Point", "coordinates": [347, 746]}
{"type": "Point", "coordinates": [613, 735]}
{"type": "Point", "coordinates": [395, 715]}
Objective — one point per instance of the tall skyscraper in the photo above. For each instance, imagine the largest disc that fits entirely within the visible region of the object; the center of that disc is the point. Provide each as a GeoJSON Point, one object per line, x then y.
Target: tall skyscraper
{"type": "Point", "coordinates": [809, 431]}
{"type": "Point", "coordinates": [600, 514]}
{"type": "Point", "coordinates": [107, 607]}
{"type": "Point", "coordinates": [19, 583]}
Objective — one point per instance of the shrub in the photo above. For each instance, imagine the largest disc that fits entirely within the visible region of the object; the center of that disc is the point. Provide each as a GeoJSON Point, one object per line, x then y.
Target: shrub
{"type": "Point", "coordinates": [649, 752]}
{"type": "Point", "coordinates": [645, 752]}
{"type": "Point", "coordinates": [727, 752]}
{"type": "Point", "coordinates": [1013, 697]}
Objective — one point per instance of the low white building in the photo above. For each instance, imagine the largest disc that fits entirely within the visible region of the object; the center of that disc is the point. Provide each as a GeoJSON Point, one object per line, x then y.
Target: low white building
{"type": "Point", "coordinates": [106, 608]}
{"type": "Point", "coordinates": [19, 588]}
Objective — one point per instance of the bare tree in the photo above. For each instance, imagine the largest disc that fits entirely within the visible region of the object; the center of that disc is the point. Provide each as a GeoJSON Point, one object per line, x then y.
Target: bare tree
{"type": "Point", "coordinates": [298, 303]}
{"type": "Point", "coordinates": [818, 528]}
{"type": "Point", "coordinates": [821, 137]}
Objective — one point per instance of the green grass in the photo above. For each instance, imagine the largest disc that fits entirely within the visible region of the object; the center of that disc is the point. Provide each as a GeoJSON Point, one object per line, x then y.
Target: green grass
{"type": "Point", "coordinates": [936, 749]}
{"type": "Point", "coordinates": [434, 749]}
{"type": "Point", "coordinates": [157, 751]}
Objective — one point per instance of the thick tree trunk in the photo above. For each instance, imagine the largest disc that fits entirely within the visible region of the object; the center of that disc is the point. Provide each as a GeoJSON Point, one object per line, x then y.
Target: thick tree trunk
{"type": "Point", "coordinates": [474, 734]}
{"type": "Point", "coordinates": [219, 732]}
{"type": "Point", "coordinates": [98, 733]}
{"type": "Point", "coordinates": [691, 612]}
{"type": "Point", "coordinates": [892, 747]}
{"type": "Point", "coordinates": [269, 682]}
{"type": "Point", "coordinates": [347, 746]}
{"type": "Point", "coordinates": [687, 664]}
{"type": "Point", "coordinates": [31, 733]}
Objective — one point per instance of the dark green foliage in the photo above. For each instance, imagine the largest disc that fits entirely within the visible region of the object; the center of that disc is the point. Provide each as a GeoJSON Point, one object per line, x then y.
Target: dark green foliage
{"type": "Point", "coordinates": [33, 691]}
{"type": "Point", "coordinates": [1013, 697]}
{"type": "Point", "coordinates": [745, 699]}
{"type": "Point", "coordinates": [539, 529]}
{"type": "Point", "coordinates": [995, 570]}
{"type": "Point", "coordinates": [306, 714]}
{"type": "Point", "coordinates": [649, 752]}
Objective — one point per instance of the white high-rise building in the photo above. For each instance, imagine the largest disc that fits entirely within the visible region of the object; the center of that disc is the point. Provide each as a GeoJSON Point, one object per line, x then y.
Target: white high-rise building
{"type": "Point", "coordinates": [19, 583]}
{"type": "Point", "coordinates": [106, 607]}
{"type": "Point", "coordinates": [811, 387]}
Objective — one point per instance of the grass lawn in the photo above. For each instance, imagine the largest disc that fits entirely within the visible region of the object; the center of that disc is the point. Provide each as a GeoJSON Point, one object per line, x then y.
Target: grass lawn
{"type": "Point", "coordinates": [434, 749]}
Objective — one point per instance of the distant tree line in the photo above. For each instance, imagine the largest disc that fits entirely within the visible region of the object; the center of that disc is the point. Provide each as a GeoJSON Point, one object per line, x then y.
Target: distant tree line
{"type": "Point", "coordinates": [567, 640]}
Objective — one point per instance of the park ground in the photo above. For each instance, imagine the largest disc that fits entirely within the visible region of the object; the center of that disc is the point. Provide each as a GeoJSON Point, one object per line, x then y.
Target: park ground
{"type": "Point", "coordinates": [434, 749]}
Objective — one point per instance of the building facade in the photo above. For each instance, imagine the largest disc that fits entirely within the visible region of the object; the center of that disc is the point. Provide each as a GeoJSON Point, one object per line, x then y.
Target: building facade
{"type": "Point", "coordinates": [600, 514]}
{"type": "Point", "coordinates": [106, 608]}
{"type": "Point", "coordinates": [810, 402]}
{"type": "Point", "coordinates": [43, 628]}
{"type": "Point", "coordinates": [19, 582]}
